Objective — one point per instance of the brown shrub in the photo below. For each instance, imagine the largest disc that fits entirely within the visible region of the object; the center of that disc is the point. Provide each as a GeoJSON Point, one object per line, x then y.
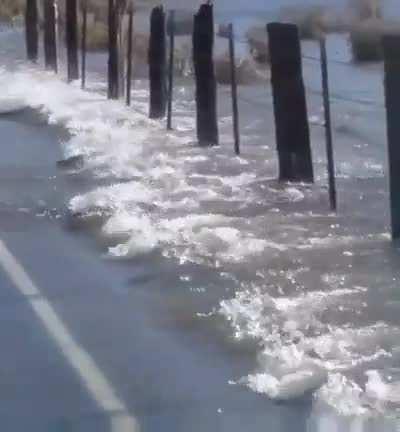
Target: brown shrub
{"type": "Point", "coordinates": [247, 72]}
{"type": "Point", "coordinates": [314, 20]}
{"type": "Point", "coordinates": [97, 36]}
{"type": "Point", "coordinates": [11, 8]}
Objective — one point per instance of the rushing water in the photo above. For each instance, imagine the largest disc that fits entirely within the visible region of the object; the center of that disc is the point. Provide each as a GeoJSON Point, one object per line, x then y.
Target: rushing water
{"type": "Point", "coordinates": [265, 265]}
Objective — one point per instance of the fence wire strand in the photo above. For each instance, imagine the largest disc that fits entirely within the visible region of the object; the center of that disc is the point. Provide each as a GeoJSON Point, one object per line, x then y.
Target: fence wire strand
{"type": "Point", "coordinates": [334, 97]}
{"type": "Point", "coordinates": [317, 61]}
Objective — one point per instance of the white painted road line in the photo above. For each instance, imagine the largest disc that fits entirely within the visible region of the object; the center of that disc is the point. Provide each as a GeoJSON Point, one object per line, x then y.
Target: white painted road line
{"type": "Point", "coordinates": [82, 363]}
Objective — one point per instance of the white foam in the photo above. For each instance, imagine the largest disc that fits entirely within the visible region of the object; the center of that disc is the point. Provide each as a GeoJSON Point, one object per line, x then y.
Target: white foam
{"type": "Point", "coordinates": [162, 197]}
{"type": "Point", "coordinates": [11, 104]}
{"type": "Point", "coordinates": [378, 389]}
{"type": "Point", "coordinates": [343, 394]}
{"type": "Point", "coordinates": [301, 354]}
{"type": "Point", "coordinates": [290, 386]}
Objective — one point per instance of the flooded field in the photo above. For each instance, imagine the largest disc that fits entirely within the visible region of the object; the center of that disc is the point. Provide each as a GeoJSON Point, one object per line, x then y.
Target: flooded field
{"type": "Point", "coordinates": [264, 270]}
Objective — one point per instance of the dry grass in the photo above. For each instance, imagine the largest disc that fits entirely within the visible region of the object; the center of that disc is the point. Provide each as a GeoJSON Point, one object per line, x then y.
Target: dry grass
{"type": "Point", "coordinates": [366, 9]}
{"type": "Point", "coordinates": [9, 9]}
{"type": "Point", "coordinates": [99, 8]}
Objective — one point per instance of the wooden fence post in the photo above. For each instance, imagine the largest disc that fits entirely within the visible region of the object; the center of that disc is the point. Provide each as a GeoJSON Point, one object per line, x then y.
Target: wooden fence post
{"type": "Point", "coordinates": [292, 129]}
{"type": "Point", "coordinates": [71, 21]}
{"type": "Point", "coordinates": [129, 57]}
{"type": "Point", "coordinates": [328, 125]}
{"type": "Point", "coordinates": [157, 64]}
{"type": "Point", "coordinates": [31, 30]}
{"type": "Point", "coordinates": [113, 55]}
{"type": "Point", "coordinates": [50, 35]}
{"type": "Point", "coordinates": [206, 86]}
{"type": "Point", "coordinates": [391, 49]}
{"type": "Point", "coordinates": [83, 44]}
{"type": "Point", "coordinates": [235, 109]}
{"type": "Point", "coordinates": [171, 27]}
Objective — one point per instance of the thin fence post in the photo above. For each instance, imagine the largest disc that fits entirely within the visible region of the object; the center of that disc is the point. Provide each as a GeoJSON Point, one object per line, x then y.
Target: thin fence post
{"type": "Point", "coordinates": [328, 125]}
{"type": "Point", "coordinates": [157, 64]}
{"type": "Point", "coordinates": [235, 109]}
{"type": "Point", "coordinates": [391, 49]}
{"type": "Point", "coordinates": [71, 21]}
{"type": "Point", "coordinates": [290, 108]}
{"type": "Point", "coordinates": [31, 30]}
{"type": "Point", "coordinates": [129, 57]}
{"type": "Point", "coordinates": [171, 27]}
{"type": "Point", "coordinates": [206, 85]}
{"type": "Point", "coordinates": [113, 57]}
{"type": "Point", "coordinates": [83, 44]}
{"type": "Point", "coordinates": [50, 35]}
{"type": "Point", "coordinates": [121, 47]}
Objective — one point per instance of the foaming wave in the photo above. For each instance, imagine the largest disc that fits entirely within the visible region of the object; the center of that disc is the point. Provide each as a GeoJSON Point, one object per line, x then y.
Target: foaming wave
{"type": "Point", "coordinates": [163, 197]}
{"type": "Point", "coordinates": [302, 355]}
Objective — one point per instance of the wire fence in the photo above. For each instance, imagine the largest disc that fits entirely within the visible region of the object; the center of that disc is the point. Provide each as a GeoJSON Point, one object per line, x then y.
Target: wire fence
{"type": "Point", "coordinates": [289, 100]}
{"type": "Point", "coordinates": [315, 61]}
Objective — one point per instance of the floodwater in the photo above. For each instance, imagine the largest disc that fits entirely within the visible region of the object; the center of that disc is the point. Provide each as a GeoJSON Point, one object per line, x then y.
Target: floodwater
{"type": "Point", "coordinates": [304, 304]}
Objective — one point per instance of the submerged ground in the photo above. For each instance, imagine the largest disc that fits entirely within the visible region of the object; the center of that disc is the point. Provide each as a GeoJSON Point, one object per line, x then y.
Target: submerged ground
{"type": "Point", "coordinates": [209, 295]}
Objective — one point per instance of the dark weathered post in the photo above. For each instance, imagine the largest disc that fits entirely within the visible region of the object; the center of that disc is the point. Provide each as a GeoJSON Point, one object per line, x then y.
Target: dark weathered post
{"type": "Point", "coordinates": [31, 30]}
{"type": "Point", "coordinates": [292, 129]}
{"type": "Point", "coordinates": [83, 43]}
{"type": "Point", "coordinates": [157, 64]}
{"type": "Point", "coordinates": [71, 33]}
{"type": "Point", "coordinates": [129, 56]}
{"type": "Point", "coordinates": [113, 52]}
{"type": "Point", "coordinates": [235, 109]}
{"type": "Point", "coordinates": [50, 36]}
{"type": "Point", "coordinates": [171, 28]}
{"type": "Point", "coordinates": [206, 86]}
{"type": "Point", "coordinates": [328, 125]}
{"type": "Point", "coordinates": [391, 48]}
